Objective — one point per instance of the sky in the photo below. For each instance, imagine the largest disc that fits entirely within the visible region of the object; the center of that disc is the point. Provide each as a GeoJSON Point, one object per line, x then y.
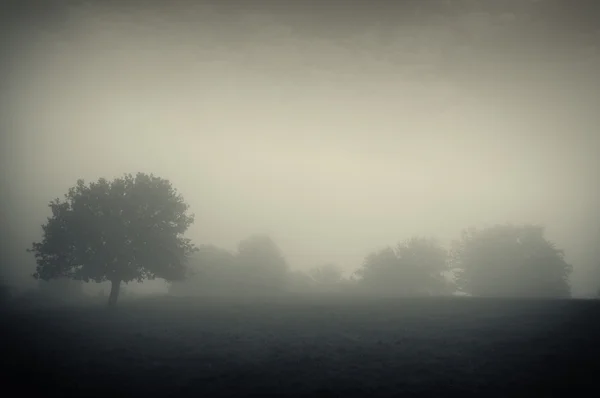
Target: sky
{"type": "Point", "coordinates": [334, 137]}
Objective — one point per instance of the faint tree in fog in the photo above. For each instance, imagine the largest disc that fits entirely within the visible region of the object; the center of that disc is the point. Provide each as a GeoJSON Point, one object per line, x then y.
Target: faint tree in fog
{"type": "Point", "coordinates": [127, 229]}
{"type": "Point", "coordinates": [320, 279]}
{"type": "Point", "coordinates": [210, 270]}
{"type": "Point", "coordinates": [299, 282]}
{"type": "Point", "coordinates": [264, 267]}
{"type": "Point", "coordinates": [415, 267]}
{"type": "Point", "coordinates": [326, 276]}
{"type": "Point", "coordinates": [510, 261]}
{"type": "Point", "coordinates": [258, 266]}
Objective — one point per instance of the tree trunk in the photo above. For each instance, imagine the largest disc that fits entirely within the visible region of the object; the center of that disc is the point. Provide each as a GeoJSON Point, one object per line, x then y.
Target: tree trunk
{"type": "Point", "coordinates": [115, 287]}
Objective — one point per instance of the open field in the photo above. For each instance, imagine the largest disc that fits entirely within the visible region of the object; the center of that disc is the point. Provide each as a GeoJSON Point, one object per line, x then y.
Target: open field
{"type": "Point", "coordinates": [299, 346]}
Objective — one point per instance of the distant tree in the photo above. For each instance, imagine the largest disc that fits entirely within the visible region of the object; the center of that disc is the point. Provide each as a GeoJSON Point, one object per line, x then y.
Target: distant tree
{"type": "Point", "coordinates": [299, 281]}
{"type": "Point", "coordinates": [264, 267]}
{"type": "Point", "coordinates": [123, 230]}
{"type": "Point", "coordinates": [326, 276]}
{"type": "Point", "coordinates": [210, 270]}
{"type": "Point", "coordinates": [415, 267]}
{"type": "Point", "coordinates": [510, 261]}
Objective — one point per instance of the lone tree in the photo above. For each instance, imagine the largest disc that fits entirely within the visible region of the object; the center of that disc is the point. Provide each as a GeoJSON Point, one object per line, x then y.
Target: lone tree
{"type": "Point", "coordinates": [415, 267]}
{"type": "Point", "coordinates": [128, 229]}
{"type": "Point", "coordinates": [510, 261]}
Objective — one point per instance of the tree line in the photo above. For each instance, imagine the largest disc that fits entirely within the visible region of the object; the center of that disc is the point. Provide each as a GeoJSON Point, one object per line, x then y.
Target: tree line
{"type": "Point", "coordinates": [133, 229]}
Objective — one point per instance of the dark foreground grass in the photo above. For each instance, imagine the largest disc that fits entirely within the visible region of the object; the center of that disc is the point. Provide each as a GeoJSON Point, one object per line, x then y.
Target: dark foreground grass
{"type": "Point", "coordinates": [177, 347]}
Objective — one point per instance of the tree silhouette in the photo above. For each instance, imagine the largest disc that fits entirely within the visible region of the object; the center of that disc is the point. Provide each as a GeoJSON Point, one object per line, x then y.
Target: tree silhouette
{"type": "Point", "coordinates": [264, 267]}
{"type": "Point", "coordinates": [415, 267]}
{"type": "Point", "coordinates": [326, 275]}
{"type": "Point", "coordinates": [299, 282]}
{"type": "Point", "coordinates": [510, 261]}
{"type": "Point", "coordinates": [210, 270]}
{"type": "Point", "coordinates": [128, 229]}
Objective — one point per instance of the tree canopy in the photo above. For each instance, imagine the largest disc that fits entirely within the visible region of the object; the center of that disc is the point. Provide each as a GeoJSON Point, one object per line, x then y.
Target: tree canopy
{"type": "Point", "coordinates": [326, 275]}
{"type": "Point", "coordinates": [263, 264]}
{"type": "Point", "coordinates": [510, 261]}
{"type": "Point", "coordinates": [210, 270]}
{"type": "Point", "coordinates": [415, 267]}
{"type": "Point", "coordinates": [123, 230]}
{"type": "Point", "coordinates": [258, 266]}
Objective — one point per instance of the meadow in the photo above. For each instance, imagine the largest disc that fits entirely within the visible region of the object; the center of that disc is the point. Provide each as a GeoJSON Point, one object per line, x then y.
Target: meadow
{"type": "Point", "coordinates": [305, 346]}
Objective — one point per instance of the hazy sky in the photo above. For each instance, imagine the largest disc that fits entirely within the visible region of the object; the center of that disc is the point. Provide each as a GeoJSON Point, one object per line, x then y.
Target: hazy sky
{"type": "Point", "coordinates": [333, 139]}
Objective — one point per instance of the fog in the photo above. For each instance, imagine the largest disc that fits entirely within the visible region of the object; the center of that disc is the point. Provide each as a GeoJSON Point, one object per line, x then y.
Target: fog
{"type": "Point", "coordinates": [334, 135]}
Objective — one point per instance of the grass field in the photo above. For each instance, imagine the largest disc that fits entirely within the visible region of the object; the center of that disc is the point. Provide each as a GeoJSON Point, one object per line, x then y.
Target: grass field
{"type": "Point", "coordinates": [306, 347]}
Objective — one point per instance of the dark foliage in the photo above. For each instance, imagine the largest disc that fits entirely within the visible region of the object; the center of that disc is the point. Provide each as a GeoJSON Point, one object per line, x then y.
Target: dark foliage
{"type": "Point", "coordinates": [415, 267]}
{"type": "Point", "coordinates": [127, 229]}
{"type": "Point", "coordinates": [510, 261]}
